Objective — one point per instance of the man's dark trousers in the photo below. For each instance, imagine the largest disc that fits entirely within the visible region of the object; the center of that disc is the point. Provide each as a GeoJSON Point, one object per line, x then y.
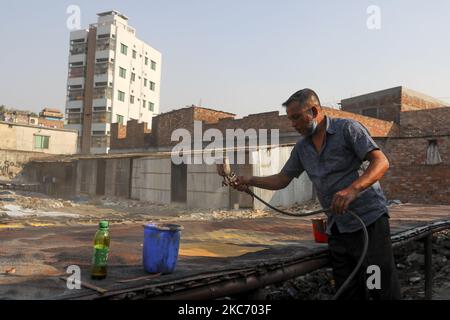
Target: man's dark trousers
{"type": "Point", "coordinates": [345, 251]}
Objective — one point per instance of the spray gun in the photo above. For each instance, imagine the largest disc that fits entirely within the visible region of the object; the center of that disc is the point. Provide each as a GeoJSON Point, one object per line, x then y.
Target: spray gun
{"type": "Point", "coordinates": [224, 170]}
{"type": "Point", "coordinates": [230, 179]}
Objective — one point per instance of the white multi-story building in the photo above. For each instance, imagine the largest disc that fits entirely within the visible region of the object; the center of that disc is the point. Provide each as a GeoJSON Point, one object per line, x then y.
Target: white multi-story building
{"type": "Point", "coordinates": [113, 77]}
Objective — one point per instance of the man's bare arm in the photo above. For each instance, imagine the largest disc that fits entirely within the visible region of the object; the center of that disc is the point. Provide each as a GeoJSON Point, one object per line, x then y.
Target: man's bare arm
{"type": "Point", "coordinates": [379, 164]}
{"type": "Point", "coordinates": [274, 182]}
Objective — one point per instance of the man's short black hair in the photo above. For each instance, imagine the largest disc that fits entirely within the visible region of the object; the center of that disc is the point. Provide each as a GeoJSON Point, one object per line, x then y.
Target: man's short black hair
{"type": "Point", "coordinates": [302, 97]}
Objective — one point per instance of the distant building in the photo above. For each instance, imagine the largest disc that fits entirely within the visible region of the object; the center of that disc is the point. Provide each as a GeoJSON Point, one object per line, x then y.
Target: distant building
{"type": "Point", "coordinates": [113, 77]}
{"type": "Point", "coordinates": [24, 137]}
{"type": "Point", "coordinates": [50, 118]}
{"type": "Point", "coordinates": [18, 116]}
{"type": "Point", "coordinates": [53, 118]}
{"type": "Point", "coordinates": [389, 103]}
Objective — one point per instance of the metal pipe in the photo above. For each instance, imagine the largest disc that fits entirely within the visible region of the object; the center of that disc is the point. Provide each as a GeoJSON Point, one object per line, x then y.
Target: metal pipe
{"type": "Point", "coordinates": [248, 284]}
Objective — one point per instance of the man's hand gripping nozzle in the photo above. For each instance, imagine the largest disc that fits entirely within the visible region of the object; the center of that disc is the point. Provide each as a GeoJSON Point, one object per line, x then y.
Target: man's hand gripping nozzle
{"type": "Point", "coordinates": [224, 170]}
{"type": "Point", "coordinates": [229, 177]}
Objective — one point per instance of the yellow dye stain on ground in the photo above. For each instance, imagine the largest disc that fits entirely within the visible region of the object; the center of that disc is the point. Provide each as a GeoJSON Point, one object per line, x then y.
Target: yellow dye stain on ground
{"type": "Point", "coordinates": [38, 224]}
{"type": "Point", "coordinates": [11, 226]}
{"type": "Point", "coordinates": [215, 250]}
{"type": "Point", "coordinates": [242, 237]}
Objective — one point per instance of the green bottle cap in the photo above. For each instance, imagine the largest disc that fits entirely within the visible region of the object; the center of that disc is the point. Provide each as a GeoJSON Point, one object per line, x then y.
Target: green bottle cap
{"type": "Point", "coordinates": [103, 224]}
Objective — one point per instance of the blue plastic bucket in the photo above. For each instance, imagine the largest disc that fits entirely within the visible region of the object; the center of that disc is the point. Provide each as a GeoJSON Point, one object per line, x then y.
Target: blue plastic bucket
{"type": "Point", "coordinates": [161, 244]}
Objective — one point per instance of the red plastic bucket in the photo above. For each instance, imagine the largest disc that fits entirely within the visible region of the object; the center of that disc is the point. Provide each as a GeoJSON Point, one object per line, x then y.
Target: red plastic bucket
{"type": "Point", "coordinates": [319, 227]}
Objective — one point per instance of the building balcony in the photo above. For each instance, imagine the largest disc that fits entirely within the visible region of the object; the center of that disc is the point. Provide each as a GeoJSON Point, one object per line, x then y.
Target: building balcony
{"type": "Point", "coordinates": [77, 72]}
{"type": "Point", "coordinates": [106, 44]}
{"type": "Point", "coordinates": [74, 118]}
{"type": "Point", "coordinates": [104, 68]}
{"type": "Point", "coordinates": [74, 104]}
{"type": "Point", "coordinates": [102, 93]}
{"type": "Point", "coordinates": [78, 48]}
{"type": "Point", "coordinates": [101, 117]}
{"type": "Point", "coordinates": [100, 141]}
{"type": "Point", "coordinates": [77, 58]}
{"type": "Point", "coordinates": [75, 95]}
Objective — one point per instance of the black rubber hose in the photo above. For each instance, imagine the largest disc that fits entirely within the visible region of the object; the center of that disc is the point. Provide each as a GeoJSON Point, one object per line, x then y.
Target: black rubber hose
{"type": "Point", "coordinates": [285, 212]}
{"type": "Point", "coordinates": [361, 259]}
{"type": "Point", "coordinates": [366, 237]}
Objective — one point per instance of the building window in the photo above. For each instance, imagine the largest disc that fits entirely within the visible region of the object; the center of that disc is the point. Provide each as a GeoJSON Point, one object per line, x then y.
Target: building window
{"type": "Point", "coordinates": [101, 84]}
{"type": "Point", "coordinates": [119, 119]}
{"type": "Point", "coordinates": [123, 49]}
{"type": "Point", "coordinates": [131, 99]}
{"type": "Point", "coordinates": [134, 54]}
{"type": "Point", "coordinates": [144, 103]}
{"type": "Point", "coordinates": [122, 72]}
{"type": "Point", "coordinates": [121, 96]}
{"type": "Point", "coordinates": [153, 65]}
{"type": "Point", "coordinates": [146, 61]}
{"type": "Point", "coordinates": [433, 155]}
{"type": "Point", "coordinates": [145, 82]}
{"type": "Point", "coordinates": [151, 106]}
{"type": "Point", "coordinates": [41, 142]}
{"type": "Point", "coordinates": [152, 86]}
{"type": "Point", "coordinates": [133, 76]}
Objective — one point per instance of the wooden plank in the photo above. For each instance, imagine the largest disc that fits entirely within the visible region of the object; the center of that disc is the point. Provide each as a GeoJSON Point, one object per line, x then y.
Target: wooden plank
{"type": "Point", "coordinates": [156, 275]}
{"type": "Point", "coordinates": [88, 285]}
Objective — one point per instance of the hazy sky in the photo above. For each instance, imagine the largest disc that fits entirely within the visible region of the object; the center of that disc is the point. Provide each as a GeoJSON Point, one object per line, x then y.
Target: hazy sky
{"type": "Point", "coordinates": [241, 56]}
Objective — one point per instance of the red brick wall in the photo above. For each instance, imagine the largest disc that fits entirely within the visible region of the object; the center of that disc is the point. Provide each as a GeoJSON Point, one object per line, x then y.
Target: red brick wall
{"type": "Point", "coordinates": [391, 102]}
{"type": "Point", "coordinates": [387, 102]}
{"type": "Point", "coordinates": [273, 120]}
{"type": "Point", "coordinates": [162, 127]}
{"type": "Point", "coordinates": [164, 124]}
{"type": "Point", "coordinates": [209, 115]}
{"type": "Point", "coordinates": [411, 101]}
{"type": "Point", "coordinates": [266, 120]}
{"type": "Point", "coordinates": [132, 136]}
{"type": "Point", "coordinates": [376, 127]}
{"type": "Point", "coordinates": [426, 122]}
{"type": "Point", "coordinates": [409, 178]}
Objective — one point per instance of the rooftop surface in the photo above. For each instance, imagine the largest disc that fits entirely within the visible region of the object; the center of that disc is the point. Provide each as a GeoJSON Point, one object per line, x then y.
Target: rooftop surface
{"type": "Point", "coordinates": [41, 246]}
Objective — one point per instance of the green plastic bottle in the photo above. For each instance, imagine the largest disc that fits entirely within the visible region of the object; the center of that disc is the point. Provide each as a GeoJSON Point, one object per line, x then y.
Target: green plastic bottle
{"type": "Point", "coordinates": [101, 251]}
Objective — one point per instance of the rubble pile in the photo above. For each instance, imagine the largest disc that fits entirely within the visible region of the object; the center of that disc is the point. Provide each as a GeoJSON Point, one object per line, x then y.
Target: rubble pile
{"type": "Point", "coordinates": [410, 266]}
{"type": "Point", "coordinates": [311, 205]}
{"type": "Point", "coordinates": [211, 215]}
{"type": "Point", "coordinates": [36, 201]}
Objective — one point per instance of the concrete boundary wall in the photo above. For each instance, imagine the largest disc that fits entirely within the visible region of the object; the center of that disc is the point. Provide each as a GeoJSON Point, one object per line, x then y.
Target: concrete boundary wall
{"type": "Point", "coordinates": [204, 187]}
{"type": "Point", "coordinates": [12, 162]}
{"type": "Point", "coordinates": [86, 176]}
{"type": "Point", "coordinates": [117, 177]}
{"type": "Point", "coordinates": [151, 180]}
